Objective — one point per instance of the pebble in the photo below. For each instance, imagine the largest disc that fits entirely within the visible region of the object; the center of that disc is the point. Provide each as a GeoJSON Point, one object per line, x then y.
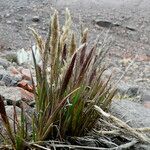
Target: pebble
{"type": "Point", "coordinates": [4, 63]}
{"type": "Point", "coordinates": [7, 15]}
{"type": "Point", "coordinates": [36, 19]}
{"type": "Point", "coordinates": [2, 83]}
{"type": "Point", "coordinates": [7, 80]}
{"type": "Point", "coordinates": [13, 70]}
{"type": "Point", "coordinates": [26, 74]}
{"type": "Point", "coordinates": [8, 22]}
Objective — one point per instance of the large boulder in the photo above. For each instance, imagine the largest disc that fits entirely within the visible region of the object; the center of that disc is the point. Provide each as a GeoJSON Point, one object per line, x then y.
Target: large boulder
{"type": "Point", "coordinates": [16, 94]}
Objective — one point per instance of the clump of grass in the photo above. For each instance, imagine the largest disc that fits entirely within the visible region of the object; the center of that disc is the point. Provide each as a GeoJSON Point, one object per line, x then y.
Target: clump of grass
{"type": "Point", "coordinates": [69, 84]}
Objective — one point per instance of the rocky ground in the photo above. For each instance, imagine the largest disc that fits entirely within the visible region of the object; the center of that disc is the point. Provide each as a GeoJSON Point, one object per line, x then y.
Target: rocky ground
{"type": "Point", "coordinates": [123, 26]}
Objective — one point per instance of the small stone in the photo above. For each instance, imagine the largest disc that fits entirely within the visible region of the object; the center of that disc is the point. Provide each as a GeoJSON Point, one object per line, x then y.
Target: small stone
{"type": "Point", "coordinates": [26, 74]}
{"type": "Point", "coordinates": [7, 15]}
{"type": "Point", "coordinates": [8, 22]}
{"type": "Point", "coordinates": [26, 96]}
{"type": "Point", "coordinates": [17, 77]}
{"type": "Point", "coordinates": [13, 70]}
{"type": "Point", "coordinates": [20, 18]}
{"type": "Point", "coordinates": [10, 79]}
{"type": "Point", "coordinates": [2, 83]}
{"type": "Point", "coordinates": [2, 73]}
{"type": "Point", "coordinates": [4, 63]}
{"type": "Point", "coordinates": [2, 68]}
{"type": "Point", "coordinates": [7, 79]}
{"type": "Point", "coordinates": [36, 19]}
{"type": "Point", "coordinates": [25, 85]}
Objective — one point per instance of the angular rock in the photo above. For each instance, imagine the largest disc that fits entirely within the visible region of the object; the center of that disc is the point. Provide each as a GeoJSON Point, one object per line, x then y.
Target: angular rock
{"type": "Point", "coordinates": [4, 63]}
{"type": "Point", "coordinates": [11, 111]}
{"type": "Point", "coordinates": [26, 96]}
{"type": "Point", "coordinates": [16, 94]}
{"type": "Point", "coordinates": [7, 79]}
{"type": "Point", "coordinates": [10, 80]}
{"type": "Point", "coordinates": [2, 72]}
{"type": "Point", "coordinates": [26, 74]}
{"type": "Point", "coordinates": [2, 83]}
{"type": "Point", "coordinates": [135, 114]}
{"type": "Point", "coordinates": [26, 85]}
{"type": "Point", "coordinates": [13, 70]}
{"type": "Point", "coordinates": [10, 114]}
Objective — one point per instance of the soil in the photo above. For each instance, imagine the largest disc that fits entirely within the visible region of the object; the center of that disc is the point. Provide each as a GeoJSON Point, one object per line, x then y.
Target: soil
{"type": "Point", "coordinates": [126, 20]}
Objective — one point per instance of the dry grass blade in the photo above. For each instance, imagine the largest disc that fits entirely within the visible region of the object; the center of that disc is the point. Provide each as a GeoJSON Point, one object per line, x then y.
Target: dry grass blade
{"type": "Point", "coordinates": [141, 137]}
{"type": "Point", "coordinates": [5, 120]}
{"type": "Point", "coordinates": [123, 146]}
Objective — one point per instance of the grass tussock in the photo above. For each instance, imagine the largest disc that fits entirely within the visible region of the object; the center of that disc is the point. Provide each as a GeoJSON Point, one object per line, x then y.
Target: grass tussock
{"type": "Point", "coordinates": [69, 85]}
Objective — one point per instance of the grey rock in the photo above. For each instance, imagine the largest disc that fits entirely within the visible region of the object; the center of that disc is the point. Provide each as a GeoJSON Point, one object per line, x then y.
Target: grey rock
{"type": "Point", "coordinates": [2, 73]}
{"type": "Point", "coordinates": [15, 95]}
{"type": "Point", "coordinates": [10, 113]}
{"type": "Point", "coordinates": [4, 63]}
{"type": "Point", "coordinates": [2, 83]}
{"type": "Point", "coordinates": [9, 22]}
{"type": "Point", "coordinates": [7, 79]}
{"type": "Point", "coordinates": [105, 23]}
{"type": "Point", "coordinates": [17, 78]}
{"type": "Point", "coordinates": [135, 114]}
{"type": "Point", "coordinates": [126, 89]}
{"type": "Point", "coordinates": [7, 15]}
{"type": "Point", "coordinates": [2, 68]}
{"type": "Point", "coordinates": [11, 94]}
{"type": "Point", "coordinates": [145, 96]}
